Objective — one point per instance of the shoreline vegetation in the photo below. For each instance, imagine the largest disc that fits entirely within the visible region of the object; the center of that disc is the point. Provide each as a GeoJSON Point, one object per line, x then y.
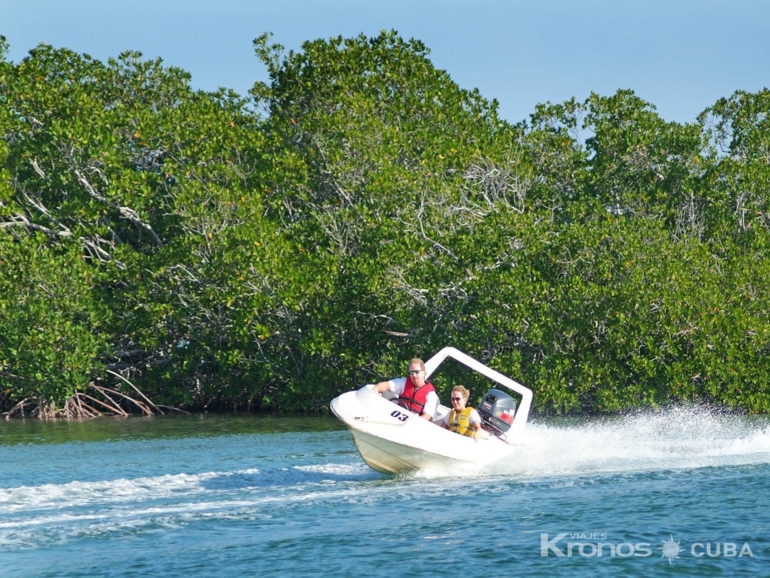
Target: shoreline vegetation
{"type": "Point", "coordinates": [164, 249]}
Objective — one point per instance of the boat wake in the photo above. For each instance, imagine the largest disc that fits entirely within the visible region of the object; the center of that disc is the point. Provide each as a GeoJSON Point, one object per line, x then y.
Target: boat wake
{"type": "Point", "coordinates": [675, 438]}
{"type": "Point", "coordinates": [45, 515]}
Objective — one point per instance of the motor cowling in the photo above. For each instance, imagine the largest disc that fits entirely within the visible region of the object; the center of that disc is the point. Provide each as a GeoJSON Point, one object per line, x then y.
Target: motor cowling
{"type": "Point", "coordinates": [497, 410]}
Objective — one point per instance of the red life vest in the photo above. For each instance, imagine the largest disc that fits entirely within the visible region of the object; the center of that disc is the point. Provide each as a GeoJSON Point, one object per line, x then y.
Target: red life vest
{"type": "Point", "coordinates": [414, 399]}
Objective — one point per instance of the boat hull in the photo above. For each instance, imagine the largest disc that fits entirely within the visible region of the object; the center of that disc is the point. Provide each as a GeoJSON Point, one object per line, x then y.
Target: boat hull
{"type": "Point", "coordinates": [392, 440]}
{"type": "Point", "coordinates": [388, 457]}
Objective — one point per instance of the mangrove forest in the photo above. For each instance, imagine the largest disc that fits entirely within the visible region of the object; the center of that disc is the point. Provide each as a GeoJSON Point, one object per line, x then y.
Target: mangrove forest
{"type": "Point", "coordinates": [164, 248]}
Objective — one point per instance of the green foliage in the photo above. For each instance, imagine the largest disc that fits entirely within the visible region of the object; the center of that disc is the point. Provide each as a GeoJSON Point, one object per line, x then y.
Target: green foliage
{"type": "Point", "coordinates": [359, 209]}
{"type": "Point", "coordinates": [639, 163]}
{"type": "Point", "coordinates": [52, 336]}
{"type": "Point", "coordinates": [376, 147]}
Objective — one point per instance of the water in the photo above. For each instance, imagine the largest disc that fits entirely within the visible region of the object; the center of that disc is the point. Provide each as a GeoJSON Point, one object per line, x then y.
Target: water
{"type": "Point", "coordinates": [679, 493]}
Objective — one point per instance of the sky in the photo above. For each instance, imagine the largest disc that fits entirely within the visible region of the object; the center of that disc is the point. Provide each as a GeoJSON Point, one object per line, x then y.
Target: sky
{"type": "Point", "coordinates": [679, 55]}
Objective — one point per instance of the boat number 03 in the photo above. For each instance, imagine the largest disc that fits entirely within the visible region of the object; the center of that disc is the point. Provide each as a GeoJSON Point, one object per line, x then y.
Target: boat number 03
{"type": "Point", "coordinates": [399, 416]}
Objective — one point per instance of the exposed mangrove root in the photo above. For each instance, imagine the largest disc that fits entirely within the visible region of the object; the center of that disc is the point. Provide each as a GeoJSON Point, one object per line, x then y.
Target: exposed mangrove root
{"type": "Point", "coordinates": [136, 389]}
{"type": "Point", "coordinates": [172, 408]}
{"type": "Point", "coordinates": [18, 408]}
{"type": "Point", "coordinates": [143, 408]}
{"type": "Point", "coordinates": [96, 401]}
{"type": "Point", "coordinates": [111, 407]}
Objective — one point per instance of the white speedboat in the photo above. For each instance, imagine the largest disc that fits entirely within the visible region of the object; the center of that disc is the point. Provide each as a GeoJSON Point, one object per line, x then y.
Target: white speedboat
{"type": "Point", "coordinates": [392, 439]}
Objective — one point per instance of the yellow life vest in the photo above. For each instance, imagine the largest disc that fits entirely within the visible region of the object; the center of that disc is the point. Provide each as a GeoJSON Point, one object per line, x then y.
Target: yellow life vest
{"type": "Point", "coordinates": [460, 422]}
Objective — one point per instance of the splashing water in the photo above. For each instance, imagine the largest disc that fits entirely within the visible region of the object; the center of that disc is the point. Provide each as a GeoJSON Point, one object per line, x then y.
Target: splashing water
{"type": "Point", "coordinates": [674, 438]}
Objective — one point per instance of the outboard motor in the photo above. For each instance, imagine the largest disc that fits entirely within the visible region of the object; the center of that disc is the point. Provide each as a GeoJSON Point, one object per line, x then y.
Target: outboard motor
{"type": "Point", "coordinates": [496, 411]}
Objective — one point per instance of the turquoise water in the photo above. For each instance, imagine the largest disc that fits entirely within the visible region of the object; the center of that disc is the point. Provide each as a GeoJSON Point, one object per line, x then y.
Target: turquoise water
{"type": "Point", "coordinates": [679, 493]}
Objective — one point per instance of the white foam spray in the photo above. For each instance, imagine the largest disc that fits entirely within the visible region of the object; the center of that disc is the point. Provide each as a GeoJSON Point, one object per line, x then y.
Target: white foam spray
{"type": "Point", "coordinates": [674, 438]}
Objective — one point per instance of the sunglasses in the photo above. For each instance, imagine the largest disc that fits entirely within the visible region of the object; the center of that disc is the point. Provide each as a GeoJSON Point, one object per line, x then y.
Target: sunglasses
{"type": "Point", "coordinates": [414, 371]}
{"type": "Point", "coordinates": [457, 399]}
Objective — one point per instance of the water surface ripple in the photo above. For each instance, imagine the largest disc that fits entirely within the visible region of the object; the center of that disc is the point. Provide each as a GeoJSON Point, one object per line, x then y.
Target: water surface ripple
{"type": "Point", "coordinates": [681, 492]}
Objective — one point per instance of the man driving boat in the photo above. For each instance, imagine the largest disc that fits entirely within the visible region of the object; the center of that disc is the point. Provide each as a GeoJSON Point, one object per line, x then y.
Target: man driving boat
{"type": "Point", "coordinates": [413, 392]}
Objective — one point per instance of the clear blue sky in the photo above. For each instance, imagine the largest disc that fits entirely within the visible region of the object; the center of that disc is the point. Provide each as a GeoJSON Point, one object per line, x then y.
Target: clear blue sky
{"type": "Point", "coordinates": [680, 55]}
